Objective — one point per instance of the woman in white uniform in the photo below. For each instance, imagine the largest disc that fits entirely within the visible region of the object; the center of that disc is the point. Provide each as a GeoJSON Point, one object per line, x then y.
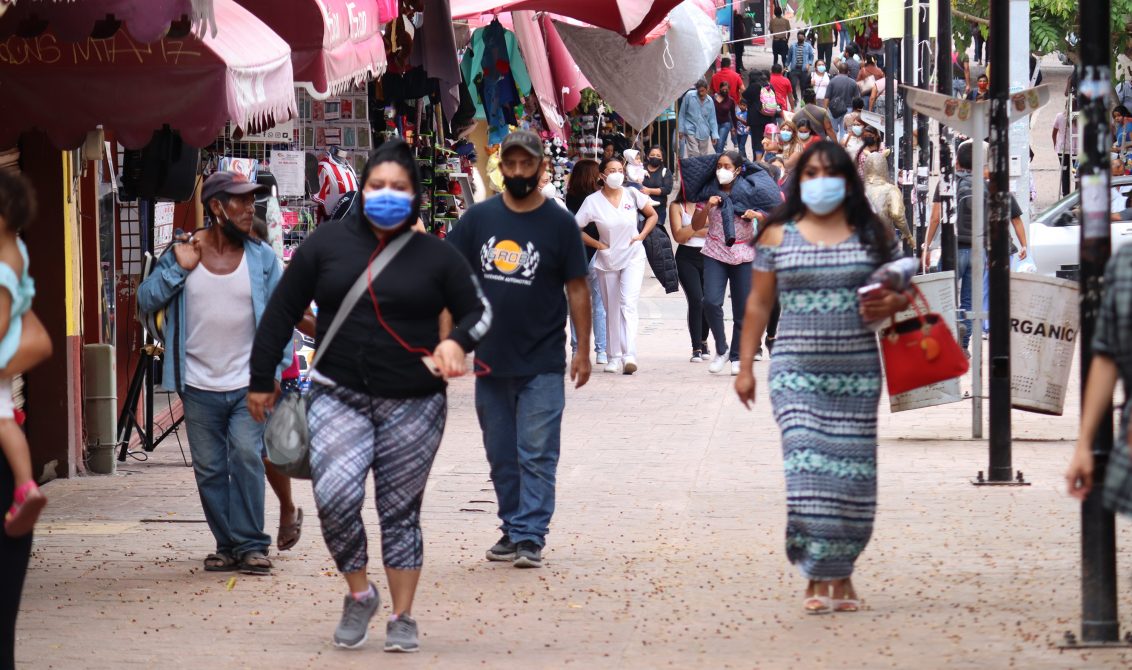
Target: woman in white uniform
{"type": "Point", "coordinates": [620, 258]}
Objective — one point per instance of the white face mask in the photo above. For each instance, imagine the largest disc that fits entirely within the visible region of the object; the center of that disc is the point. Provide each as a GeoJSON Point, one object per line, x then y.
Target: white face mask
{"type": "Point", "coordinates": [724, 176]}
{"type": "Point", "coordinates": [614, 180]}
{"type": "Point", "coordinates": [549, 192]}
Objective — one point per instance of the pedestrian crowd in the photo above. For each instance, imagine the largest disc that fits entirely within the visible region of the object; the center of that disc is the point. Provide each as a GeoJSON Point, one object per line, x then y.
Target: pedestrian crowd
{"type": "Point", "coordinates": [782, 203]}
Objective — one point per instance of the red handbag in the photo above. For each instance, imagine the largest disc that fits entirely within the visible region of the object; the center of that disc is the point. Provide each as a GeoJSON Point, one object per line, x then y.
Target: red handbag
{"type": "Point", "coordinates": [920, 351]}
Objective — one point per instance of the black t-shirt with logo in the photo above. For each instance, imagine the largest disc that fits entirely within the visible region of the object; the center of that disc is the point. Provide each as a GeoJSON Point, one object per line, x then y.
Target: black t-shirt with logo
{"type": "Point", "coordinates": [523, 261]}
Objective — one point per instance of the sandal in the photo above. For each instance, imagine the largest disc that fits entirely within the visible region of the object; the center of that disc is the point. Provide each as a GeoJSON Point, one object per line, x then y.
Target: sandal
{"type": "Point", "coordinates": [221, 561]}
{"type": "Point", "coordinates": [852, 603]}
{"type": "Point", "coordinates": [255, 563]}
{"type": "Point", "coordinates": [289, 535]}
{"type": "Point", "coordinates": [27, 503]}
{"type": "Point", "coordinates": [813, 603]}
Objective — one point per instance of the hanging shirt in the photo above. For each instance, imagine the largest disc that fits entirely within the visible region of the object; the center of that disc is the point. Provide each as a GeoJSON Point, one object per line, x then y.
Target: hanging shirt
{"type": "Point", "coordinates": [335, 179]}
{"type": "Point", "coordinates": [490, 46]}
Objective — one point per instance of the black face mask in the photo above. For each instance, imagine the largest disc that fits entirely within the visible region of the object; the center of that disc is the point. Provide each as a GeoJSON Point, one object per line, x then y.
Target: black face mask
{"type": "Point", "coordinates": [521, 187]}
{"type": "Point", "coordinates": [654, 162]}
{"type": "Point", "coordinates": [232, 232]}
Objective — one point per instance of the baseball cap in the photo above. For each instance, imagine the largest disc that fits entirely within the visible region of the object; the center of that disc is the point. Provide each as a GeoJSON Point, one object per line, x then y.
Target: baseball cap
{"type": "Point", "coordinates": [229, 182]}
{"type": "Point", "coordinates": [522, 139]}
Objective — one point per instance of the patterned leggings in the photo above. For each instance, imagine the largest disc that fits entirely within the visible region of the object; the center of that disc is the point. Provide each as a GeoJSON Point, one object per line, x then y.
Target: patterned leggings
{"type": "Point", "coordinates": [352, 433]}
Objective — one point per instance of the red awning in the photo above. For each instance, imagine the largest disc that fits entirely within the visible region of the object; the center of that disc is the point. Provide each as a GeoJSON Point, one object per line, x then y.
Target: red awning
{"type": "Point", "coordinates": [631, 18]}
{"type": "Point", "coordinates": [335, 44]}
{"type": "Point", "coordinates": [75, 21]}
{"type": "Point", "coordinates": [193, 84]}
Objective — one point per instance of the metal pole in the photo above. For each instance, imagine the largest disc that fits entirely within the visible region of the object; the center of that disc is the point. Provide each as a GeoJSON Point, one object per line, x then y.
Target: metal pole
{"type": "Point", "coordinates": [978, 261]}
{"type": "Point", "coordinates": [998, 228]}
{"type": "Point", "coordinates": [891, 49]}
{"type": "Point", "coordinates": [923, 63]}
{"type": "Point", "coordinates": [908, 54]}
{"type": "Point", "coordinates": [948, 243]}
{"type": "Point", "coordinates": [1098, 533]}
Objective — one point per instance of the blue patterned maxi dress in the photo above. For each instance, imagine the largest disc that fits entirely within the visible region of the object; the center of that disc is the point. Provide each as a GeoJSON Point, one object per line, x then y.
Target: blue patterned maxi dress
{"type": "Point", "coordinates": [825, 380]}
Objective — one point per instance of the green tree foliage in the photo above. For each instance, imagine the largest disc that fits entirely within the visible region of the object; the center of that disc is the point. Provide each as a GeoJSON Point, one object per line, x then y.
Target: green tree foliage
{"type": "Point", "coordinates": [1051, 21]}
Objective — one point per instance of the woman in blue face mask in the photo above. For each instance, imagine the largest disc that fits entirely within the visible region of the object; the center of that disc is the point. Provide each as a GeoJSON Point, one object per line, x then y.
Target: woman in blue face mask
{"type": "Point", "coordinates": [812, 255]}
{"type": "Point", "coordinates": [377, 399]}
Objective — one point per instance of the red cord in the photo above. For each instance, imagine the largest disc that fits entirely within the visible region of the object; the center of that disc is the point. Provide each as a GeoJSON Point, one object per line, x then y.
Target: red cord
{"type": "Point", "coordinates": [486, 370]}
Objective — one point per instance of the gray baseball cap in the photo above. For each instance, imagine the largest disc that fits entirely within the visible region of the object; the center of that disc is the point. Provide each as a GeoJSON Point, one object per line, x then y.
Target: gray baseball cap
{"type": "Point", "coordinates": [525, 140]}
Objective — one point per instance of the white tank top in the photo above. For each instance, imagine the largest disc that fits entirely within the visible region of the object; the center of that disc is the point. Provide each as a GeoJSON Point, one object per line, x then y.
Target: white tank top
{"type": "Point", "coordinates": [695, 242]}
{"type": "Point", "coordinates": [219, 328]}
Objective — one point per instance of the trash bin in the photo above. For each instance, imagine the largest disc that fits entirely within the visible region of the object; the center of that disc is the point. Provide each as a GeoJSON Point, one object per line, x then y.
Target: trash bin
{"type": "Point", "coordinates": [1044, 315]}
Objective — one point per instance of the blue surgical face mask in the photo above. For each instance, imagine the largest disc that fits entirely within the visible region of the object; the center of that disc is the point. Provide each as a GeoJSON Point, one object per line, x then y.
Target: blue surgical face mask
{"type": "Point", "coordinates": [821, 69]}
{"type": "Point", "coordinates": [387, 209]}
{"type": "Point", "coordinates": [823, 195]}
{"type": "Point", "coordinates": [857, 130]}
{"type": "Point", "coordinates": [786, 135]}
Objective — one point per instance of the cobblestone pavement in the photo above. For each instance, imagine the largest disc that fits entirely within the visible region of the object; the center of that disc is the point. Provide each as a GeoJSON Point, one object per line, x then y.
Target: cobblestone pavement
{"type": "Point", "coordinates": [666, 551]}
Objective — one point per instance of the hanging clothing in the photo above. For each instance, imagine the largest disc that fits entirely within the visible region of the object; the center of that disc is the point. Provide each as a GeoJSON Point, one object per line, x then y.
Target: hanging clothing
{"type": "Point", "coordinates": [335, 179]}
{"type": "Point", "coordinates": [497, 78]}
{"type": "Point", "coordinates": [434, 50]}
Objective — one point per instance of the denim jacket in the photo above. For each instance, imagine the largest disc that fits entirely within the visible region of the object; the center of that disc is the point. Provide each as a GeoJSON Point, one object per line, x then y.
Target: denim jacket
{"type": "Point", "coordinates": [163, 289]}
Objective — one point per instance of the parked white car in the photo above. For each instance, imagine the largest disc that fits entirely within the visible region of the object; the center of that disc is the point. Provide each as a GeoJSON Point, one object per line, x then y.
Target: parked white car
{"type": "Point", "coordinates": [1055, 235]}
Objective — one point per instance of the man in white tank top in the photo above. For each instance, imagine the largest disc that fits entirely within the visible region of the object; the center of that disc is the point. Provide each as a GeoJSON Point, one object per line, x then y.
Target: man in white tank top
{"type": "Point", "coordinates": [214, 286]}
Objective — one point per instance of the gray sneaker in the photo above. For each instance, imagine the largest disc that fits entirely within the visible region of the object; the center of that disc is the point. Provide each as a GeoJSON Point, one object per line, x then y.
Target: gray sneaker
{"type": "Point", "coordinates": [353, 629]}
{"type": "Point", "coordinates": [401, 635]}
{"type": "Point", "coordinates": [504, 550]}
{"type": "Point", "coordinates": [528, 555]}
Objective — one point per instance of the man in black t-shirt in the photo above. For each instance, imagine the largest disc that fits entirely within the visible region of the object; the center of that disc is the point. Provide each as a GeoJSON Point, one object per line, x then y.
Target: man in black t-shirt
{"type": "Point", "coordinates": [525, 249]}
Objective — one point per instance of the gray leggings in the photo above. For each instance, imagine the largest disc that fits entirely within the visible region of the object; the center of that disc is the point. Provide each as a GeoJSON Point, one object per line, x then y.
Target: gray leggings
{"type": "Point", "coordinates": [352, 433]}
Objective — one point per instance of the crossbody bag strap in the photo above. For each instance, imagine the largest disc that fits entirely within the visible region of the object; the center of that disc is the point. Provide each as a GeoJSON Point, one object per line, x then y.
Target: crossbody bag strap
{"type": "Point", "coordinates": [372, 271]}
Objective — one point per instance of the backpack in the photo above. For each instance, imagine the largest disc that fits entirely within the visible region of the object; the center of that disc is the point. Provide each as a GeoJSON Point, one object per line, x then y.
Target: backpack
{"type": "Point", "coordinates": [768, 102]}
{"type": "Point", "coordinates": [837, 106]}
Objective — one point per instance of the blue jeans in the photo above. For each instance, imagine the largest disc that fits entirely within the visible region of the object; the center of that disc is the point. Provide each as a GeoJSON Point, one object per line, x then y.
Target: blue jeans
{"type": "Point", "coordinates": [227, 448]}
{"type": "Point", "coordinates": [724, 133]}
{"type": "Point", "coordinates": [521, 420]}
{"type": "Point", "coordinates": [597, 310]}
{"type": "Point", "coordinates": [963, 271]}
{"type": "Point", "coordinates": [986, 288]}
{"type": "Point", "coordinates": [716, 277]}
{"type": "Point", "coordinates": [741, 142]}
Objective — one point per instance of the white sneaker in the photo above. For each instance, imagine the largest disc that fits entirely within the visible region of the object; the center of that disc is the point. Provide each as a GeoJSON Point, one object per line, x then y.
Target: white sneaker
{"type": "Point", "coordinates": [734, 368]}
{"type": "Point", "coordinates": [717, 363]}
{"type": "Point", "coordinates": [759, 354]}
{"type": "Point", "coordinates": [614, 366]}
{"type": "Point", "coordinates": [630, 366]}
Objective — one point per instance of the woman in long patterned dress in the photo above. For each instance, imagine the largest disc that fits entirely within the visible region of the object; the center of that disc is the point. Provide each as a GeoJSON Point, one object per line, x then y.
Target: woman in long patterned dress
{"type": "Point", "coordinates": [813, 254]}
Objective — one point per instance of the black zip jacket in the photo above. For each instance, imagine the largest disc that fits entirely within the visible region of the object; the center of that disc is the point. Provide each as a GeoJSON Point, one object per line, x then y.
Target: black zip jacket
{"type": "Point", "coordinates": [426, 277]}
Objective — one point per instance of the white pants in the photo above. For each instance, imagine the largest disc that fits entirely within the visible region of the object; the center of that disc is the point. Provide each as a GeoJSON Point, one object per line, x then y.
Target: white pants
{"type": "Point", "coordinates": [621, 291]}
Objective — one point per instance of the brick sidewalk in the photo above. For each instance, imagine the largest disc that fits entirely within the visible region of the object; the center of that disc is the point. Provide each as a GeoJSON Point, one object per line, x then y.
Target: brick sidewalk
{"type": "Point", "coordinates": [666, 551]}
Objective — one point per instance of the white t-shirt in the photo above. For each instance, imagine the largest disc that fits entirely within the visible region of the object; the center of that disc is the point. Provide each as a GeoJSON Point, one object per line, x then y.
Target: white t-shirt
{"type": "Point", "coordinates": [219, 328]}
{"type": "Point", "coordinates": [1060, 141]}
{"type": "Point", "coordinates": [819, 82]}
{"type": "Point", "coordinates": [695, 241]}
{"type": "Point", "coordinates": [616, 227]}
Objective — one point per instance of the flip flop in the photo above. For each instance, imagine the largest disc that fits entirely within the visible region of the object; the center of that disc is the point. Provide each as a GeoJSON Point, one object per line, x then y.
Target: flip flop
{"type": "Point", "coordinates": [289, 535]}
{"type": "Point", "coordinates": [221, 562]}
{"type": "Point", "coordinates": [27, 503]}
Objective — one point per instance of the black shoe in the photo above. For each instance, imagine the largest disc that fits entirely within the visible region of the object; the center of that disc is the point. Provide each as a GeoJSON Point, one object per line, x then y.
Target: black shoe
{"type": "Point", "coordinates": [528, 555]}
{"type": "Point", "coordinates": [504, 550]}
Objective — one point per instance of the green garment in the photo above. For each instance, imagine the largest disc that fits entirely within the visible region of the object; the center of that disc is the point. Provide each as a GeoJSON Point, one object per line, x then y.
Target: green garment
{"type": "Point", "coordinates": [472, 65]}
